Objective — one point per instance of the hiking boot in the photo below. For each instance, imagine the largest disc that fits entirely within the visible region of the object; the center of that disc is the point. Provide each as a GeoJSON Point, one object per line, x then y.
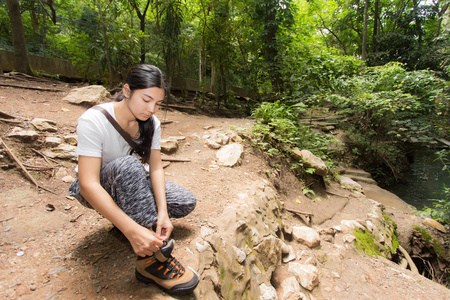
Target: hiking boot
{"type": "Point", "coordinates": [166, 271]}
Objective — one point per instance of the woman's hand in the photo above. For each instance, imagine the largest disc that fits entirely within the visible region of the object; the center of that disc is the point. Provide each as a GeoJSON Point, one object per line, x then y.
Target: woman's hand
{"type": "Point", "coordinates": [144, 241]}
{"type": "Point", "coordinates": [164, 227]}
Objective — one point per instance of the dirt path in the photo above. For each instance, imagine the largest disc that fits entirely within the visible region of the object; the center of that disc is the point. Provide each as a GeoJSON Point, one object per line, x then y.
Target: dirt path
{"type": "Point", "coordinates": [74, 253]}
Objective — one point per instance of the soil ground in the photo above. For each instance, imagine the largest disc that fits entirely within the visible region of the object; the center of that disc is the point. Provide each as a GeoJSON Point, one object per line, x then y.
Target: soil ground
{"type": "Point", "coordinates": [74, 253]}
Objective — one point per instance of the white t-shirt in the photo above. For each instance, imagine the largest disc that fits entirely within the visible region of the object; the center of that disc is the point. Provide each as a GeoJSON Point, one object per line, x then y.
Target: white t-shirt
{"type": "Point", "coordinates": [97, 137]}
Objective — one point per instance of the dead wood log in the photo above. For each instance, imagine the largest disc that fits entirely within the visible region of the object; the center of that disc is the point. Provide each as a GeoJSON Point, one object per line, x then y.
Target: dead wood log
{"type": "Point", "coordinates": [173, 159]}
{"type": "Point", "coordinates": [408, 258]}
{"type": "Point", "coordinates": [31, 88]}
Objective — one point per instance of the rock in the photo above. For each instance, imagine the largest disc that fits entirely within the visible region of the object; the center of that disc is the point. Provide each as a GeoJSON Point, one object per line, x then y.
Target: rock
{"type": "Point", "coordinates": [311, 161]}
{"type": "Point", "coordinates": [176, 138]}
{"type": "Point", "coordinates": [89, 95]}
{"type": "Point", "coordinates": [306, 235]}
{"type": "Point", "coordinates": [52, 141]}
{"type": "Point", "coordinates": [307, 275]}
{"type": "Point", "coordinates": [63, 151]}
{"type": "Point", "coordinates": [352, 224]}
{"type": "Point", "coordinates": [435, 224]}
{"type": "Point", "coordinates": [169, 146]}
{"type": "Point", "coordinates": [71, 139]}
{"type": "Point", "coordinates": [349, 238]}
{"type": "Point", "coordinates": [240, 255]}
{"type": "Point", "coordinates": [230, 155]}
{"type": "Point", "coordinates": [350, 184]}
{"type": "Point", "coordinates": [291, 255]}
{"type": "Point", "coordinates": [268, 292]}
{"type": "Point", "coordinates": [212, 144]}
{"type": "Point", "coordinates": [24, 135]}
{"type": "Point", "coordinates": [68, 179]}
{"type": "Point", "coordinates": [44, 125]}
{"type": "Point", "coordinates": [291, 289]}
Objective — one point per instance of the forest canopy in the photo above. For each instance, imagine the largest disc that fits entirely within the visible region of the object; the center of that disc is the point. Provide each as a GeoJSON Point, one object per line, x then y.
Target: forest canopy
{"type": "Point", "coordinates": [266, 45]}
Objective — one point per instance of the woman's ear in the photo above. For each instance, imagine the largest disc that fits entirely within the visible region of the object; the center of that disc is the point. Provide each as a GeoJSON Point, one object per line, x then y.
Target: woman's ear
{"type": "Point", "coordinates": [126, 90]}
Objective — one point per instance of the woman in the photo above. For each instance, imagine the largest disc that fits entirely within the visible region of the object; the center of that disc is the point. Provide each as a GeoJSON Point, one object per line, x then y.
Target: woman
{"type": "Point", "coordinates": [116, 184]}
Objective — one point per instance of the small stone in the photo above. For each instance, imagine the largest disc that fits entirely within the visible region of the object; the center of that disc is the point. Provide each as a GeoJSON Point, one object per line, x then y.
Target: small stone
{"type": "Point", "coordinates": [68, 179]}
{"type": "Point", "coordinates": [7, 229]}
{"type": "Point", "coordinates": [32, 288]}
{"type": "Point", "coordinates": [49, 207]}
{"type": "Point", "coordinates": [20, 253]}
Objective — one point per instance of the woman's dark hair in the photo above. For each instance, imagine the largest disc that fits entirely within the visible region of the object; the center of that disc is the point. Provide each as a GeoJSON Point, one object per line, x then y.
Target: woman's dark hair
{"type": "Point", "coordinates": [144, 76]}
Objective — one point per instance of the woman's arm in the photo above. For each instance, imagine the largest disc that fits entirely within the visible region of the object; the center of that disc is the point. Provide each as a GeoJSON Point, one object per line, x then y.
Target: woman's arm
{"type": "Point", "coordinates": [163, 226]}
{"type": "Point", "coordinates": [143, 240]}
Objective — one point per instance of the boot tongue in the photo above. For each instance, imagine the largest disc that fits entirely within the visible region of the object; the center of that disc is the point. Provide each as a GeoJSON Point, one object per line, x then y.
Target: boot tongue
{"type": "Point", "coordinates": [166, 250]}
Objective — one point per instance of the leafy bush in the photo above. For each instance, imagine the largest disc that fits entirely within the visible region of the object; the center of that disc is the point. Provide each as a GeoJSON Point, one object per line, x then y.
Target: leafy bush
{"type": "Point", "coordinates": [278, 127]}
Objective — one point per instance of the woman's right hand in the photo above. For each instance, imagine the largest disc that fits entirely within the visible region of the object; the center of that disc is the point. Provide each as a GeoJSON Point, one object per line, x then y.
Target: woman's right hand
{"type": "Point", "coordinates": [144, 241]}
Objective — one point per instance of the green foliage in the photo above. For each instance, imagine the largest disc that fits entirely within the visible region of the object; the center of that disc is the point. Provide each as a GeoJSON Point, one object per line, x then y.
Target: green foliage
{"type": "Point", "coordinates": [389, 109]}
{"type": "Point", "coordinates": [441, 206]}
{"type": "Point", "coordinates": [278, 127]}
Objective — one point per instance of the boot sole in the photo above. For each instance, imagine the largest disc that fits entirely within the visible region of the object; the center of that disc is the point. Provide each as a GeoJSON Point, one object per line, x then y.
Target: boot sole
{"type": "Point", "coordinates": [174, 291]}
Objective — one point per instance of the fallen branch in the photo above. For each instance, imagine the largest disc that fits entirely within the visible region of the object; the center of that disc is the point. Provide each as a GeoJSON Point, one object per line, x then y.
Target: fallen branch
{"type": "Point", "coordinates": [4, 220]}
{"type": "Point", "coordinates": [31, 88]}
{"type": "Point", "coordinates": [411, 264]}
{"type": "Point", "coordinates": [38, 168]}
{"type": "Point", "coordinates": [23, 168]}
{"type": "Point", "coordinates": [18, 162]}
{"type": "Point", "coordinates": [47, 159]}
{"type": "Point", "coordinates": [175, 159]}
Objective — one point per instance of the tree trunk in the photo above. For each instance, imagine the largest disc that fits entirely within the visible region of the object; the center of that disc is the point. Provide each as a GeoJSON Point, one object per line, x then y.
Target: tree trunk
{"type": "Point", "coordinates": [376, 18]}
{"type": "Point", "coordinates": [364, 41]}
{"type": "Point", "coordinates": [105, 37]}
{"type": "Point", "coordinates": [20, 47]}
{"type": "Point", "coordinates": [441, 14]}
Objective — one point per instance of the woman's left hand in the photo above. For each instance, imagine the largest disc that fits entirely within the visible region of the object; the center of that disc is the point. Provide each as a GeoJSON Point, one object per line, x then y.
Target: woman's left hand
{"type": "Point", "coordinates": [164, 227]}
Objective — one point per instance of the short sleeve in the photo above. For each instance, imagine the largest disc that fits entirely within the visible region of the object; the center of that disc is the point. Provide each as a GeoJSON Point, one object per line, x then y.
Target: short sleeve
{"type": "Point", "coordinates": [156, 142]}
{"type": "Point", "coordinates": [89, 138]}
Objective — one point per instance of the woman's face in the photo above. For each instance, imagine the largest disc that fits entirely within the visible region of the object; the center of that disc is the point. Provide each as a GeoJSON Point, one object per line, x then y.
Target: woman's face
{"type": "Point", "coordinates": [144, 103]}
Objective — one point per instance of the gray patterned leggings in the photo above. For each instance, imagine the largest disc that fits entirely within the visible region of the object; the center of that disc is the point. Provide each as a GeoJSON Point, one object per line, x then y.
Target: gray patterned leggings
{"type": "Point", "coordinates": [126, 180]}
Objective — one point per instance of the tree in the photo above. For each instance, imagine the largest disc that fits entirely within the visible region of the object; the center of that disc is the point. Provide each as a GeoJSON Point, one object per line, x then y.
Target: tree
{"type": "Point", "coordinates": [142, 18]}
{"type": "Point", "coordinates": [18, 36]}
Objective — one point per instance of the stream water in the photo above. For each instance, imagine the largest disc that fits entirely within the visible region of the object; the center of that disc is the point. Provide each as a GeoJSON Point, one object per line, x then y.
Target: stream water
{"type": "Point", "coordinates": [424, 181]}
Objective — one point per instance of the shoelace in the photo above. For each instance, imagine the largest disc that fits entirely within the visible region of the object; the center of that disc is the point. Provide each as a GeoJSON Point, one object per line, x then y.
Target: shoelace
{"type": "Point", "coordinates": [174, 266]}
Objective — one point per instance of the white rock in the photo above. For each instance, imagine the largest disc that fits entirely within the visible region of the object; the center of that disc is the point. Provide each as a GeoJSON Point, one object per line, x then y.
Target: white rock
{"type": "Point", "coordinates": [240, 255]}
{"type": "Point", "coordinates": [44, 124]}
{"type": "Point", "coordinates": [352, 224]}
{"type": "Point", "coordinates": [306, 235]}
{"type": "Point", "coordinates": [307, 275]}
{"type": "Point", "coordinates": [68, 179]}
{"type": "Point", "coordinates": [268, 292]}
{"type": "Point", "coordinates": [202, 246]}
{"type": "Point", "coordinates": [212, 144]}
{"type": "Point", "coordinates": [349, 238]}
{"type": "Point", "coordinates": [230, 155]}
{"type": "Point", "coordinates": [52, 141]}
{"type": "Point", "coordinates": [19, 133]}
{"type": "Point", "coordinates": [71, 139]}
{"type": "Point", "coordinates": [350, 184]}
{"type": "Point", "coordinates": [205, 231]}
{"type": "Point", "coordinates": [291, 256]}
{"type": "Point", "coordinates": [89, 95]}
{"type": "Point", "coordinates": [291, 289]}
